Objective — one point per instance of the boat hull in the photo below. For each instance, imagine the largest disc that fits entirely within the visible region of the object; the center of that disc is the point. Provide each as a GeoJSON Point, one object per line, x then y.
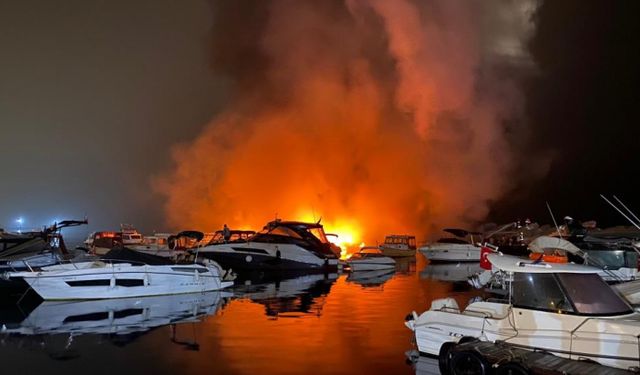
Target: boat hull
{"type": "Point", "coordinates": [451, 253]}
{"type": "Point", "coordinates": [122, 281]}
{"type": "Point", "coordinates": [608, 341]}
{"type": "Point", "coordinates": [371, 264]}
{"type": "Point", "coordinates": [244, 258]}
{"type": "Point", "coordinates": [397, 253]}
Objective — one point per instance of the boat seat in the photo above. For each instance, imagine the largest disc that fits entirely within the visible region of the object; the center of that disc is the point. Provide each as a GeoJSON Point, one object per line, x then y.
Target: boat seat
{"type": "Point", "coordinates": [445, 304]}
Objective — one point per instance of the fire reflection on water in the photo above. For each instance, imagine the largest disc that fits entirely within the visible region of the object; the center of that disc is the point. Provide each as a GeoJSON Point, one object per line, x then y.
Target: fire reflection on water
{"type": "Point", "coordinates": [329, 324]}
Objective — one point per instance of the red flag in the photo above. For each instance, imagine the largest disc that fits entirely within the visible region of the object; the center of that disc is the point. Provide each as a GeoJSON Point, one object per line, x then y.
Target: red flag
{"type": "Point", "coordinates": [484, 260]}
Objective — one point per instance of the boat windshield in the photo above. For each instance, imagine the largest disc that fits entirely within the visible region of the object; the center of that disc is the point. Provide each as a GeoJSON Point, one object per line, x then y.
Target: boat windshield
{"type": "Point", "coordinates": [612, 259]}
{"type": "Point", "coordinates": [284, 231]}
{"type": "Point", "coordinates": [572, 293]}
{"type": "Point", "coordinates": [319, 234]}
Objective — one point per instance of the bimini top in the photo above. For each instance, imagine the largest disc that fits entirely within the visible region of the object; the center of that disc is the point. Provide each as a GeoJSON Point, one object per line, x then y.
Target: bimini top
{"type": "Point", "coordinates": [542, 243]}
{"type": "Point", "coordinates": [511, 263]}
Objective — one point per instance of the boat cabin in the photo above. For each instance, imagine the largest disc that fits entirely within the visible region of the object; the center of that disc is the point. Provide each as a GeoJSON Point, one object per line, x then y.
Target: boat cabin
{"type": "Point", "coordinates": [563, 288]}
{"type": "Point", "coordinates": [236, 236]}
{"type": "Point", "coordinates": [310, 236]}
{"type": "Point", "coordinates": [400, 241]}
{"type": "Point", "coordinates": [368, 252]}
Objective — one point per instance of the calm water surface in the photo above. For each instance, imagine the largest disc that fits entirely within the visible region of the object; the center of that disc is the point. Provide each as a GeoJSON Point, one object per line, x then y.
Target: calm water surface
{"type": "Point", "coordinates": [321, 324]}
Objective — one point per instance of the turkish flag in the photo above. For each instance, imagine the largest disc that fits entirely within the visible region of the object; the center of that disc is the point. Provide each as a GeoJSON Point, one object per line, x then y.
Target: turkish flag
{"type": "Point", "coordinates": [484, 261]}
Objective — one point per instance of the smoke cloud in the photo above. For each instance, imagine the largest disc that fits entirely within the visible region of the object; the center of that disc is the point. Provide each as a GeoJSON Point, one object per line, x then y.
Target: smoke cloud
{"type": "Point", "coordinates": [378, 116]}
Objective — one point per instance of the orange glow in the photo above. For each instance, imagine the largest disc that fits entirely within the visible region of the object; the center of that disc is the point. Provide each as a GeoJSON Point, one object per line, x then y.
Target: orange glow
{"type": "Point", "coordinates": [391, 140]}
{"type": "Point", "coordinates": [347, 232]}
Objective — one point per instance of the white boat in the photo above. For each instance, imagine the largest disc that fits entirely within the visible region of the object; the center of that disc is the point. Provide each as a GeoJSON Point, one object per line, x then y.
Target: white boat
{"type": "Point", "coordinates": [560, 308]}
{"type": "Point", "coordinates": [111, 279]}
{"type": "Point", "coordinates": [370, 259]}
{"type": "Point", "coordinates": [398, 246]}
{"type": "Point", "coordinates": [452, 249]}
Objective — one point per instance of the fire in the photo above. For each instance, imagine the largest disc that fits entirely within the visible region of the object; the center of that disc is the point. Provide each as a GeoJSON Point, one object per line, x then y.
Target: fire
{"type": "Point", "coordinates": [343, 232]}
{"type": "Point", "coordinates": [387, 131]}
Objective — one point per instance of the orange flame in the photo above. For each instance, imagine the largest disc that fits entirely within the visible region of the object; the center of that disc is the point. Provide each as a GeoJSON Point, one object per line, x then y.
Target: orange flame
{"type": "Point", "coordinates": [378, 138]}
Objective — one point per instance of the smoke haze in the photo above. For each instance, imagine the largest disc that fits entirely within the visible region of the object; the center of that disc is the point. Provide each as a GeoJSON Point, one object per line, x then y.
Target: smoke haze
{"type": "Point", "coordinates": [377, 116]}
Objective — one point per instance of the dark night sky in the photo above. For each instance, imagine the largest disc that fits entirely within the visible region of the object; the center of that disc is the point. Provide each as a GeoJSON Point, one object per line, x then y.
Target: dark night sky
{"type": "Point", "coordinates": [92, 96]}
{"type": "Point", "coordinates": [582, 109]}
{"type": "Point", "coordinates": [94, 93]}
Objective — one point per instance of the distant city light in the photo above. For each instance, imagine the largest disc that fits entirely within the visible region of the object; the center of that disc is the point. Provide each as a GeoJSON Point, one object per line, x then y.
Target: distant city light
{"type": "Point", "coordinates": [20, 220]}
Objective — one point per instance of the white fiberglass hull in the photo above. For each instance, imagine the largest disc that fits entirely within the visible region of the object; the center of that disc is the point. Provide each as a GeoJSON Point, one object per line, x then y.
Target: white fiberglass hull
{"type": "Point", "coordinates": [122, 281]}
{"type": "Point", "coordinates": [371, 264]}
{"type": "Point", "coordinates": [607, 340]}
{"type": "Point", "coordinates": [451, 252]}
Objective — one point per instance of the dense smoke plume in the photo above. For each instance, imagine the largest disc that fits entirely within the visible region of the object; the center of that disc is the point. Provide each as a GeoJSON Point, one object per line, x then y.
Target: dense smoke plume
{"type": "Point", "coordinates": [378, 116]}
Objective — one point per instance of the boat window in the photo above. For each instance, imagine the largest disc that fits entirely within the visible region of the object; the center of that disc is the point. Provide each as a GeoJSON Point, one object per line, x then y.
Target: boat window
{"type": "Point", "coordinates": [591, 295]}
{"type": "Point", "coordinates": [539, 291]}
{"type": "Point", "coordinates": [104, 282]}
{"type": "Point", "coordinates": [190, 269]}
{"type": "Point", "coordinates": [319, 234]}
{"type": "Point", "coordinates": [284, 231]}
{"type": "Point", "coordinates": [611, 259]}
{"type": "Point", "coordinates": [129, 282]}
{"type": "Point", "coordinates": [162, 241]}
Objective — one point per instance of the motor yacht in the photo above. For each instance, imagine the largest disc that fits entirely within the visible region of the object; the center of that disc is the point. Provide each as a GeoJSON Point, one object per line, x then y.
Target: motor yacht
{"type": "Point", "coordinates": [560, 308]}
{"type": "Point", "coordinates": [116, 275]}
{"type": "Point", "coordinates": [398, 246]}
{"type": "Point", "coordinates": [460, 248]}
{"type": "Point", "coordinates": [281, 245]}
{"type": "Point", "coordinates": [370, 259]}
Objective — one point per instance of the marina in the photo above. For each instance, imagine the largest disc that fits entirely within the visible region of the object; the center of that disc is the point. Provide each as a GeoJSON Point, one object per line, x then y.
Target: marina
{"type": "Point", "coordinates": [257, 187]}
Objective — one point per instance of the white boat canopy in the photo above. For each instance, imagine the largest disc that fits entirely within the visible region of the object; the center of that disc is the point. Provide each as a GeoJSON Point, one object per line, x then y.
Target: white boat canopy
{"type": "Point", "coordinates": [511, 263]}
{"type": "Point", "coordinates": [542, 243]}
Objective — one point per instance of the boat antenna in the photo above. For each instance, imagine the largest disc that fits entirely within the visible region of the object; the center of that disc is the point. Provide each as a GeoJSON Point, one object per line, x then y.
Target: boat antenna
{"type": "Point", "coordinates": [620, 211]}
{"type": "Point", "coordinates": [627, 208]}
{"type": "Point", "coordinates": [554, 219]}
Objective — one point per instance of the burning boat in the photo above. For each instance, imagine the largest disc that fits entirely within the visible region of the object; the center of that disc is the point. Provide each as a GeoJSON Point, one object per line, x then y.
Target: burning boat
{"type": "Point", "coordinates": [281, 245]}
